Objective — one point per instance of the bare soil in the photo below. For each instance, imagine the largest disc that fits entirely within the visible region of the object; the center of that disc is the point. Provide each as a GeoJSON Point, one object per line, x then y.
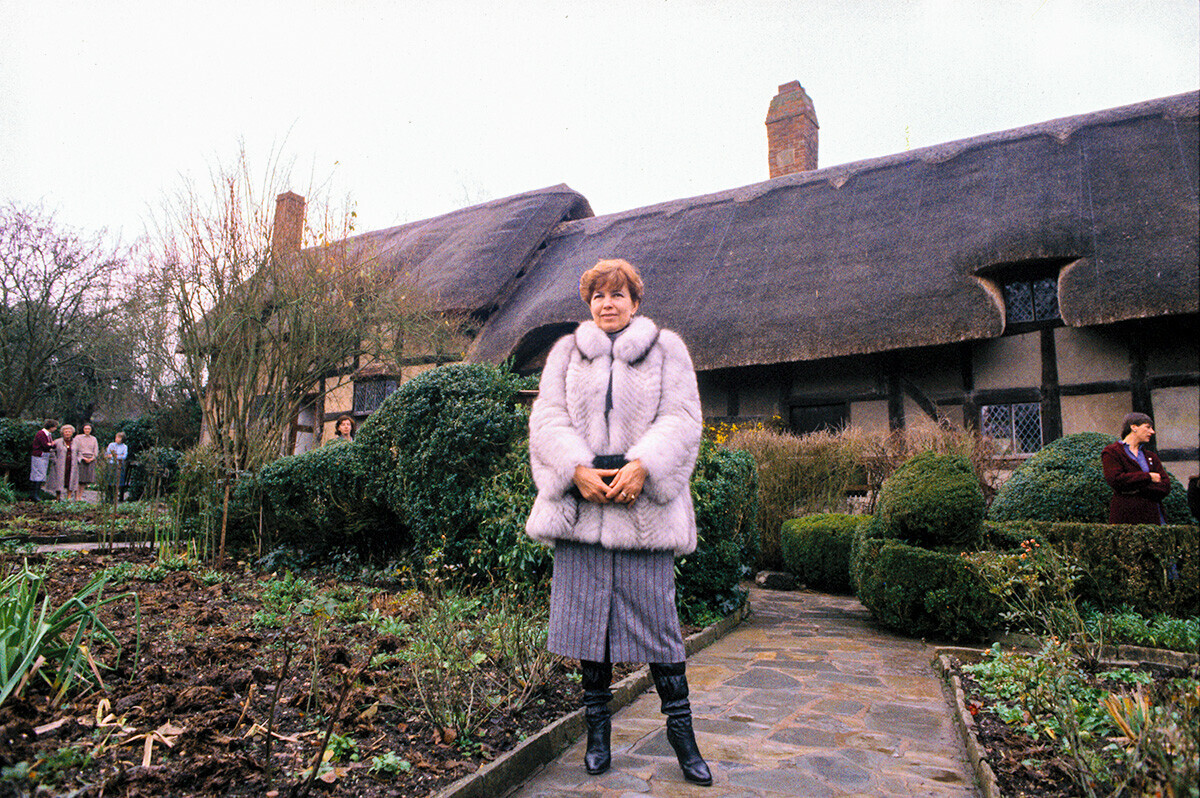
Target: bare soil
{"type": "Point", "coordinates": [191, 715]}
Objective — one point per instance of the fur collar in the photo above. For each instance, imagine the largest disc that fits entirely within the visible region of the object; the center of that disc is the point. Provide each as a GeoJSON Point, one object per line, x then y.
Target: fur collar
{"type": "Point", "coordinates": [631, 344]}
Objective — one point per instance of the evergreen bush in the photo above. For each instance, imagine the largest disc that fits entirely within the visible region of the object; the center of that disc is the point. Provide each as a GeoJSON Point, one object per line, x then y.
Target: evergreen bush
{"type": "Point", "coordinates": [1150, 568]}
{"type": "Point", "coordinates": [923, 593]}
{"type": "Point", "coordinates": [16, 439]}
{"type": "Point", "coordinates": [931, 501]}
{"type": "Point", "coordinates": [1065, 482]}
{"type": "Point", "coordinates": [432, 448]}
{"type": "Point", "coordinates": [7, 494]}
{"type": "Point", "coordinates": [315, 500]}
{"type": "Point", "coordinates": [725, 496]}
{"type": "Point", "coordinates": [816, 548]}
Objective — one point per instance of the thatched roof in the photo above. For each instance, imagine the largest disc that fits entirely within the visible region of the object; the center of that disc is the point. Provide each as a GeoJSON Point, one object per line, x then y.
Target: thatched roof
{"type": "Point", "coordinates": [897, 251]}
{"type": "Point", "coordinates": [467, 258]}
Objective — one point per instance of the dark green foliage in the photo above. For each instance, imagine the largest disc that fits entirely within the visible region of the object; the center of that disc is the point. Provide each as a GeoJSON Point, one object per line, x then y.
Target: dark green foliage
{"type": "Point", "coordinates": [1065, 482]}
{"type": "Point", "coordinates": [314, 500]}
{"type": "Point", "coordinates": [432, 448]}
{"type": "Point", "coordinates": [503, 549]}
{"type": "Point", "coordinates": [1147, 567]}
{"type": "Point", "coordinates": [816, 548]}
{"type": "Point", "coordinates": [725, 495]}
{"type": "Point", "coordinates": [1003, 537]}
{"type": "Point", "coordinates": [933, 500]}
{"type": "Point", "coordinates": [16, 438]}
{"type": "Point", "coordinates": [7, 494]}
{"type": "Point", "coordinates": [155, 472]}
{"type": "Point", "coordinates": [924, 593]}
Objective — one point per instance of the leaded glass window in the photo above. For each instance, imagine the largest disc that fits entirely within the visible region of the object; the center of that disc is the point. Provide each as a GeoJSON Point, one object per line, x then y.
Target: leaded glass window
{"type": "Point", "coordinates": [1016, 428]}
{"type": "Point", "coordinates": [1031, 300]}
{"type": "Point", "coordinates": [369, 394]}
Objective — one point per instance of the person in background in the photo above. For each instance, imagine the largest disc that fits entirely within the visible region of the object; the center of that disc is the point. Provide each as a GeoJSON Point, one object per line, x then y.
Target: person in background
{"type": "Point", "coordinates": [614, 435]}
{"type": "Point", "coordinates": [87, 450]}
{"type": "Point", "coordinates": [1136, 474]}
{"type": "Point", "coordinates": [64, 477]}
{"type": "Point", "coordinates": [40, 455]}
{"type": "Point", "coordinates": [343, 430]}
{"type": "Point", "coordinates": [116, 453]}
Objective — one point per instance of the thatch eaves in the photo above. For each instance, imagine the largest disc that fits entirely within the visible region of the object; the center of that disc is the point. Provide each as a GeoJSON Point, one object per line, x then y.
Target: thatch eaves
{"type": "Point", "coordinates": [901, 251]}
{"type": "Point", "coordinates": [464, 260]}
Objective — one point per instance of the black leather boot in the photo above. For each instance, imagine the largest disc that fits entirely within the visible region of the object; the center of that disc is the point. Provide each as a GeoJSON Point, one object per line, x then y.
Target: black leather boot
{"type": "Point", "coordinates": [671, 682]}
{"type": "Point", "coordinates": [597, 678]}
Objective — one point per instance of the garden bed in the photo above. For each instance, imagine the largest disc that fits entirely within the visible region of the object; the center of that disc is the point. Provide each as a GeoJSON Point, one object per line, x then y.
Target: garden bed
{"type": "Point", "coordinates": [191, 716]}
{"type": "Point", "coordinates": [1017, 752]}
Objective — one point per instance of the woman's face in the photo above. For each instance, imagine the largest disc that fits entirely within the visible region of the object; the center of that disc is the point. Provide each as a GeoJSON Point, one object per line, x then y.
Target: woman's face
{"type": "Point", "coordinates": [612, 308]}
{"type": "Point", "coordinates": [1142, 433]}
{"type": "Point", "coordinates": [87, 429]}
{"type": "Point", "coordinates": [68, 433]}
{"type": "Point", "coordinates": [344, 427]}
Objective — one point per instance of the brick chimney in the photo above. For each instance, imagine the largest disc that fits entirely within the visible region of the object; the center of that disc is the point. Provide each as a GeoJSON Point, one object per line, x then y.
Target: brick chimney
{"type": "Point", "coordinates": [288, 231]}
{"type": "Point", "coordinates": [791, 131]}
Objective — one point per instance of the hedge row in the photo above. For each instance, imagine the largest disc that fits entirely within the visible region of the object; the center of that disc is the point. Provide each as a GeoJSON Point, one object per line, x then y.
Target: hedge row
{"type": "Point", "coordinates": [816, 548]}
{"type": "Point", "coordinates": [441, 470]}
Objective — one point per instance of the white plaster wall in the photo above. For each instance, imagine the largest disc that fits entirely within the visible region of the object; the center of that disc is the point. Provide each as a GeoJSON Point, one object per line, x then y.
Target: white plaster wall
{"type": "Point", "coordinates": [1011, 362]}
{"type": "Point", "coordinates": [1100, 412]}
{"type": "Point", "coordinates": [869, 416]}
{"type": "Point", "coordinates": [1176, 417]}
{"type": "Point", "coordinates": [1090, 355]}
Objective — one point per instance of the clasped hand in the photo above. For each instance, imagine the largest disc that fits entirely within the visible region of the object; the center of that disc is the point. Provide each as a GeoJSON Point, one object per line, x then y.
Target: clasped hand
{"type": "Point", "coordinates": [625, 488]}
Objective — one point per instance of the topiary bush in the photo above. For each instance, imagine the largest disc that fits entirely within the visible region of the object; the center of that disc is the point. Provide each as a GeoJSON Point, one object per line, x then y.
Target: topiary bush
{"type": "Point", "coordinates": [923, 593]}
{"type": "Point", "coordinates": [816, 548]}
{"type": "Point", "coordinates": [1065, 482]}
{"type": "Point", "coordinates": [432, 447]}
{"type": "Point", "coordinates": [725, 496]}
{"type": "Point", "coordinates": [933, 500]}
{"type": "Point", "coordinates": [315, 500]}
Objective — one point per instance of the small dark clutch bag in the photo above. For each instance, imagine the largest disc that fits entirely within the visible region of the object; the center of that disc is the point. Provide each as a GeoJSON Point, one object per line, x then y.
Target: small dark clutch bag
{"type": "Point", "coordinates": [604, 461]}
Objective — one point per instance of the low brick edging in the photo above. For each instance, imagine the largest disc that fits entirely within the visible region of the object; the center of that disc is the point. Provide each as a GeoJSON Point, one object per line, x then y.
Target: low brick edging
{"type": "Point", "coordinates": [985, 777]}
{"type": "Point", "coordinates": [514, 767]}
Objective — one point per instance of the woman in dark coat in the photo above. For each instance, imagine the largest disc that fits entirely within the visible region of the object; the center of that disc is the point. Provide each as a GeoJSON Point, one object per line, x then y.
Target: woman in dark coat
{"type": "Point", "coordinates": [1136, 474]}
{"type": "Point", "coordinates": [613, 440]}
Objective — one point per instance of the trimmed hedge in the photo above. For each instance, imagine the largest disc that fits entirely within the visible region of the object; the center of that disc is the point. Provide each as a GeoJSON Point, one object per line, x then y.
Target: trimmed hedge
{"type": "Point", "coordinates": [1148, 567]}
{"type": "Point", "coordinates": [315, 500]}
{"type": "Point", "coordinates": [1065, 482]}
{"type": "Point", "coordinates": [933, 500]}
{"type": "Point", "coordinates": [923, 593]}
{"type": "Point", "coordinates": [817, 548]}
{"type": "Point", "coordinates": [433, 446]}
{"type": "Point", "coordinates": [725, 495]}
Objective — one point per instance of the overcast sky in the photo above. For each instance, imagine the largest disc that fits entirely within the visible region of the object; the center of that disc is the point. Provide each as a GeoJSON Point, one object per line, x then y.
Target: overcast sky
{"type": "Point", "coordinates": [416, 108]}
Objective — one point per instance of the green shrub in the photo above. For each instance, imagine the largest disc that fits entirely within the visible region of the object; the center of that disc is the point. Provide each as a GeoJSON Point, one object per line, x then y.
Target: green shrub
{"type": "Point", "coordinates": [923, 593]}
{"type": "Point", "coordinates": [816, 548]}
{"type": "Point", "coordinates": [7, 494]}
{"type": "Point", "coordinates": [933, 500]}
{"type": "Point", "coordinates": [1065, 482]}
{"type": "Point", "coordinates": [16, 438]}
{"type": "Point", "coordinates": [315, 500]}
{"type": "Point", "coordinates": [1149, 568]}
{"type": "Point", "coordinates": [155, 472]}
{"type": "Point", "coordinates": [504, 550]}
{"type": "Point", "coordinates": [432, 448]}
{"type": "Point", "coordinates": [797, 474]}
{"type": "Point", "coordinates": [725, 496]}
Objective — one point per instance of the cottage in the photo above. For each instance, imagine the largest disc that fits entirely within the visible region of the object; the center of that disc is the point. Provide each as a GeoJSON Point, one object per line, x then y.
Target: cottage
{"type": "Point", "coordinates": [1033, 282]}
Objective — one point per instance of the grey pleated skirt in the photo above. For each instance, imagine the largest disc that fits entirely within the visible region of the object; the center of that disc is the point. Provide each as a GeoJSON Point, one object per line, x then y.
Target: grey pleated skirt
{"type": "Point", "coordinates": [620, 601]}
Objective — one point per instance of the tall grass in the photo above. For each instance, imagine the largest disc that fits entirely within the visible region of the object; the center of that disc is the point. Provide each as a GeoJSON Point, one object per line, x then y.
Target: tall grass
{"type": "Point", "coordinates": [817, 472]}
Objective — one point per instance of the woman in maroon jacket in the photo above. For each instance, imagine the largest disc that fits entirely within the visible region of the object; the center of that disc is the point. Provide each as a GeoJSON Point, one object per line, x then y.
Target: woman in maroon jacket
{"type": "Point", "coordinates": [1137, 476]}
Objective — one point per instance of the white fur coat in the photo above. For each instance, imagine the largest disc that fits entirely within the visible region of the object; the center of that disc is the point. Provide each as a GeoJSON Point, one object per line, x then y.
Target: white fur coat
{"type": "Point", "coordinates": [655, 418]}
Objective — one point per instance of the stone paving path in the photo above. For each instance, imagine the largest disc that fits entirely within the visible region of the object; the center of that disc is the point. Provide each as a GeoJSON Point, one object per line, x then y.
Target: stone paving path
{"type": "Point", "coordinates": [805, 698]}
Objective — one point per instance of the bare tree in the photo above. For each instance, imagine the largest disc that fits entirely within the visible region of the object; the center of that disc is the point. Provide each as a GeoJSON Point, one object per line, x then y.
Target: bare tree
{"type": "Point", "coordinates": [56, 295]}
{"type": "Point", "coordinates": [261, 331]}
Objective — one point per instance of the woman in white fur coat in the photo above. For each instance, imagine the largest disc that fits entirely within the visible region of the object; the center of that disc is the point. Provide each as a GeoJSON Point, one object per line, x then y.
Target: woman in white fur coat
{"type": "Point", "coordinates": [613, 439]}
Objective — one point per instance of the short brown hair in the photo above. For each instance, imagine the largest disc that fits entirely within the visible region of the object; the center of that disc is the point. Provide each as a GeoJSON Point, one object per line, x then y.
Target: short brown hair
{"type": "Point", "coordinates": [615, 273]}
{"type": "Point", "coordinates": [339, 421]}
{"type": "Point", "coordinates": [1134, 420]}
